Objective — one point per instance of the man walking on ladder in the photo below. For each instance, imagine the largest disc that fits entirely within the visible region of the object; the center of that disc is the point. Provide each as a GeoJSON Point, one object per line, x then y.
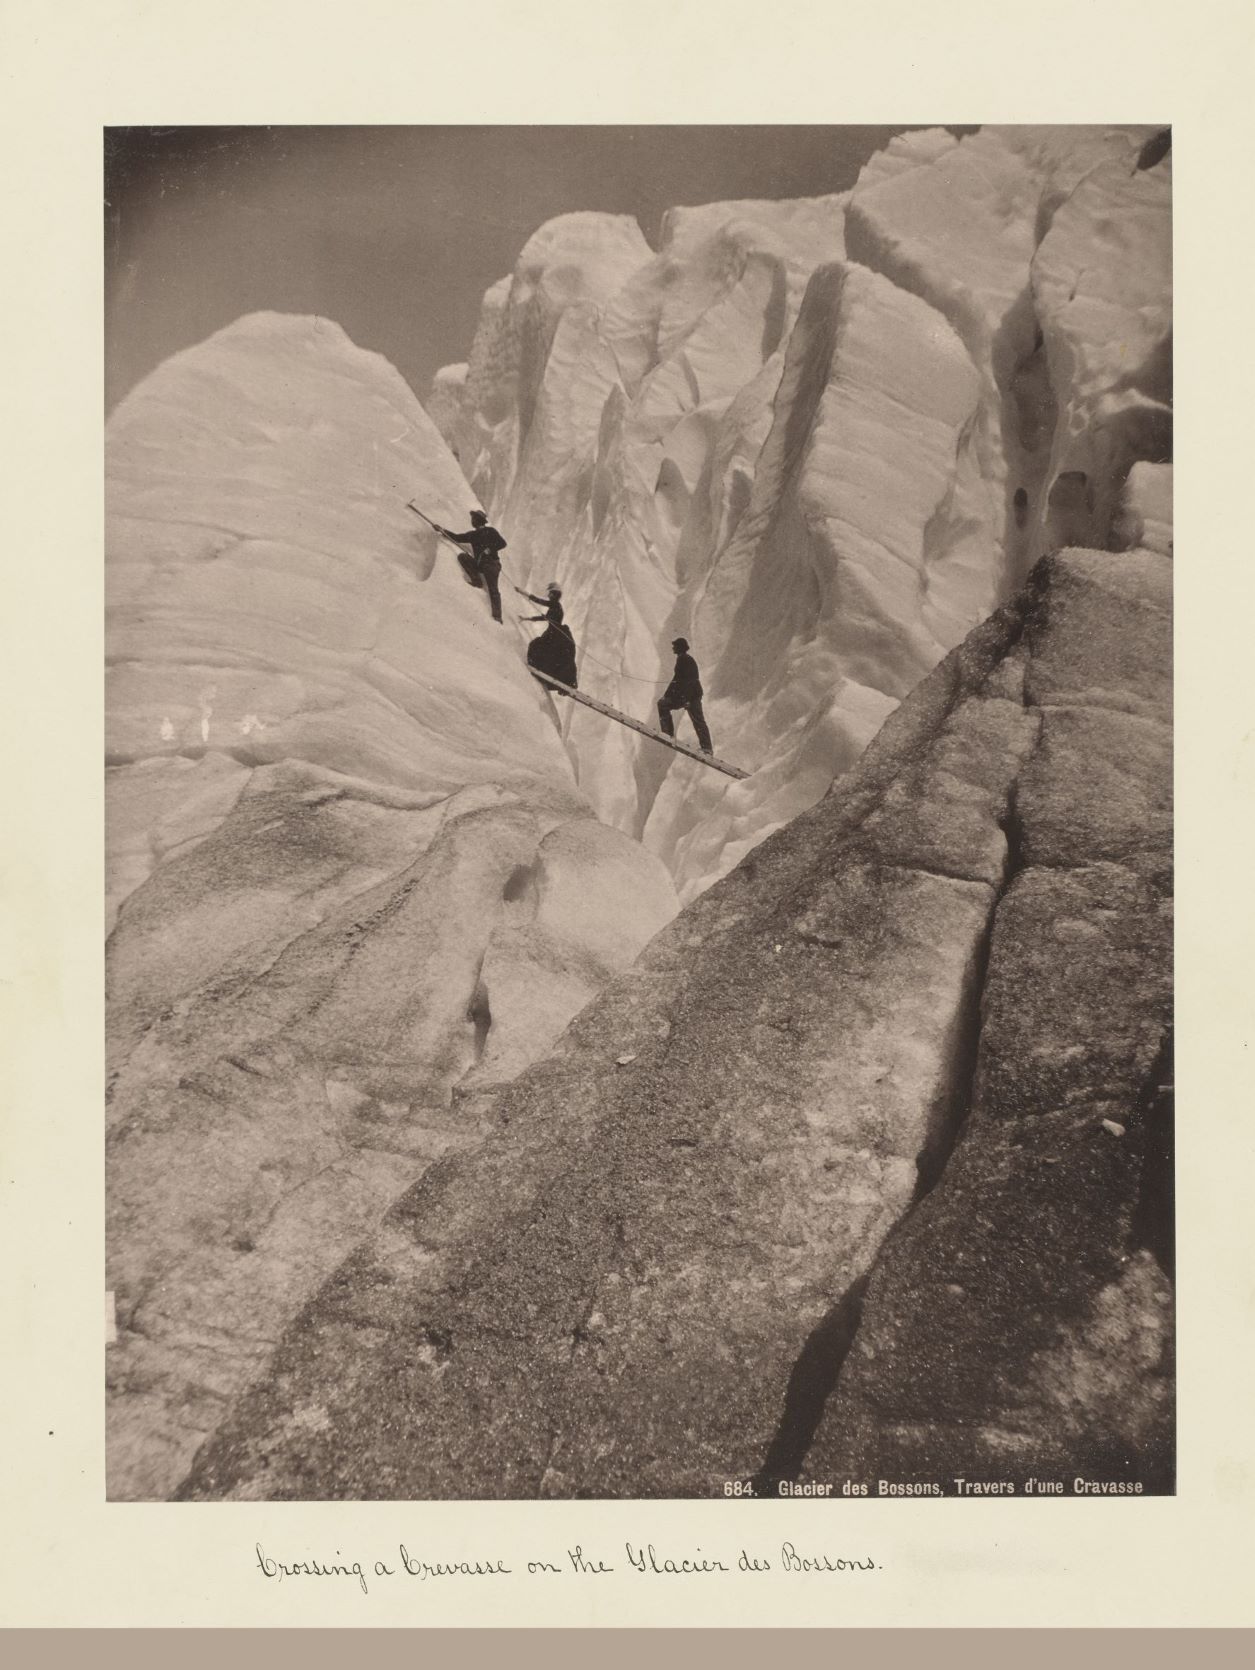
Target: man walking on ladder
{"type": "Point", "coordinates": [485, 543]}
{"type": "Point", "coordinates": [684, 691]}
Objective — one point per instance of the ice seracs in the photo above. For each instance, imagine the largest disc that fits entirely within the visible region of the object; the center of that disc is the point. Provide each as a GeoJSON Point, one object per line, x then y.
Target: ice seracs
{"type": "Point", "coordinates": [696, 434]}
{"type": "Point", "coordinates": [1102, 286]}
{"type": "Point", "coordinates": [352, 879]}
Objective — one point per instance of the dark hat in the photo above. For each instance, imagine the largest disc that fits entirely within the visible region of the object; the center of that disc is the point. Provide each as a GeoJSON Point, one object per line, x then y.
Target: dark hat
{"type": "Point", "coordinates": [477, 516]}
{"type": "Point", "coordinates": [680, 643]}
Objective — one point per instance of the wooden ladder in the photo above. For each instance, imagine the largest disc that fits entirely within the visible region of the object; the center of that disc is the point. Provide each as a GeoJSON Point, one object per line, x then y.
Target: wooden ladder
{"type": "Point", "coordinates": [636, 725]}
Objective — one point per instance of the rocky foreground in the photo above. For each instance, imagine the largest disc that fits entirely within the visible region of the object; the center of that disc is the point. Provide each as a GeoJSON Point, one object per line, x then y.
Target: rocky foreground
{"type": "Point", "coordinates": [861, 1171]}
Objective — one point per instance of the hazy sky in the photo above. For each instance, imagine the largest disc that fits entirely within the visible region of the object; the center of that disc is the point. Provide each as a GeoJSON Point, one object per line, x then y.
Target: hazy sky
{"type": "Point", "coordinates": [395, 233]}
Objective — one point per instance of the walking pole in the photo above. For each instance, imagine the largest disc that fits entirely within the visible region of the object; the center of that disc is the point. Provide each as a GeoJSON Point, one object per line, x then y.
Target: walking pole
{"type": "Point", "coordinates": [434, 526]}
{"type": "Point", "coordinates": [457, 545]}
{"type": "Point", "coordinates": [470, 569]}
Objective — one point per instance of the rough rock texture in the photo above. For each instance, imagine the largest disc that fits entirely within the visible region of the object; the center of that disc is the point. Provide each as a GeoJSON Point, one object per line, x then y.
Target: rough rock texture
{"type": "Point", "coordinates": [1018, 1324]}
{"type": "Point", "coordinates": [352, 876]}
{"type": "Point", "coordinates": [647, 1280]}
{"type": "Point", "coordinates": [821, 439]}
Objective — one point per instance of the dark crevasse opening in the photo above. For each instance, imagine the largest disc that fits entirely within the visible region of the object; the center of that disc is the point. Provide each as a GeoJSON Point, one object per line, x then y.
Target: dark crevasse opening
{"type": "Point", "coordinates": [1070, 511]}
{"type": "Point", "coordinates": [810, 1385]}
{"type": "Point", "coordinates": [822, 1358]}
{"type": "Point", "coordinates": [1155, 149]}
{"type": "Point", "coordinates": [1028, 419]}
{"type": "Point", "coordinates": [479, 1014]}
{"type": "Point", "coordinates": [520, 883]}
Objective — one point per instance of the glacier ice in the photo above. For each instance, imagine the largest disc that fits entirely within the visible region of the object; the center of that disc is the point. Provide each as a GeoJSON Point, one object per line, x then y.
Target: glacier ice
{"type": "Point", "coordinates": [822, 439]}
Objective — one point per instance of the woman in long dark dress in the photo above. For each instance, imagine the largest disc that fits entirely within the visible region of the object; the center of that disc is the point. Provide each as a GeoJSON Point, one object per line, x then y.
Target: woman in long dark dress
{"type": "Point", "coordinates": [553, 653]}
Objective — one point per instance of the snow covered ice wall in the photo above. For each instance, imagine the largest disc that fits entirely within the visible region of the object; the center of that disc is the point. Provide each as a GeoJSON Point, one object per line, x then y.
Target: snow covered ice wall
{"type": "Point", "coordinates": [822, 439]}
{"type": "Point", "coordinates": [352, 880]}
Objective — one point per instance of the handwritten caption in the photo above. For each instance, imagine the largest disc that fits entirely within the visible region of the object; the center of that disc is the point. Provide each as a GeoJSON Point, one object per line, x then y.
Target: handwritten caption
{"type": "Point", "coordinates": [643, 1559]}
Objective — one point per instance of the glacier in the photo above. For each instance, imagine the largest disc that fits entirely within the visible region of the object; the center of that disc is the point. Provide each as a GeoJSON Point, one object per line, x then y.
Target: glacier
{"type": "Point", "coordinates": [362, 872]}
{"type": "Point", "coordinates": [819, 439]}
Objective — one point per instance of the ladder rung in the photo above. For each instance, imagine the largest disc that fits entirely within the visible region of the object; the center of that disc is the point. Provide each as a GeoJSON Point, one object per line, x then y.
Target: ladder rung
{"type": "Point", "coordinates": [636, 725]}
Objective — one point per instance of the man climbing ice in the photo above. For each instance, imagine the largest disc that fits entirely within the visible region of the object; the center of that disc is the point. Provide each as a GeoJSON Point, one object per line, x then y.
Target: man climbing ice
{"type": "Point", "coordinates": [483, 565]}
{"type": "Point", "coordinates": [684, 691]}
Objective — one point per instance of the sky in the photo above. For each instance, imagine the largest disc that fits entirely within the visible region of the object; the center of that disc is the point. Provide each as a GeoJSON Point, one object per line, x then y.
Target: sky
{"type": "Point", "coordinates": [396, 232]}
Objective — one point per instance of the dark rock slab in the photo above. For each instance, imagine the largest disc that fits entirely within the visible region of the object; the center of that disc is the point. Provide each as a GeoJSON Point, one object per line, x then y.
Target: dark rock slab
{"type": "Point", "coordinates": [1018, 1322]}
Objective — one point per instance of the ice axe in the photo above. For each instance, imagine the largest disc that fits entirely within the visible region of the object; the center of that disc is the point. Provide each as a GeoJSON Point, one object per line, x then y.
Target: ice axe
{"type": "Point", "coordinates": [434, 526]}
{"type": "Point", "coordinates": [466, 561]}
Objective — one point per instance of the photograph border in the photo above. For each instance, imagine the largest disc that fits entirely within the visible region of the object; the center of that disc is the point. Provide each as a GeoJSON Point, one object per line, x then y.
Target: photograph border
{"type": "Point", "coordinates": [69, 1557]}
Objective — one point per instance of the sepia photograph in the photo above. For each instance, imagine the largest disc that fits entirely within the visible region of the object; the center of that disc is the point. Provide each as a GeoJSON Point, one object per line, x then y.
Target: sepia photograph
{"type": "Point", "coordinates": [638, 813]}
